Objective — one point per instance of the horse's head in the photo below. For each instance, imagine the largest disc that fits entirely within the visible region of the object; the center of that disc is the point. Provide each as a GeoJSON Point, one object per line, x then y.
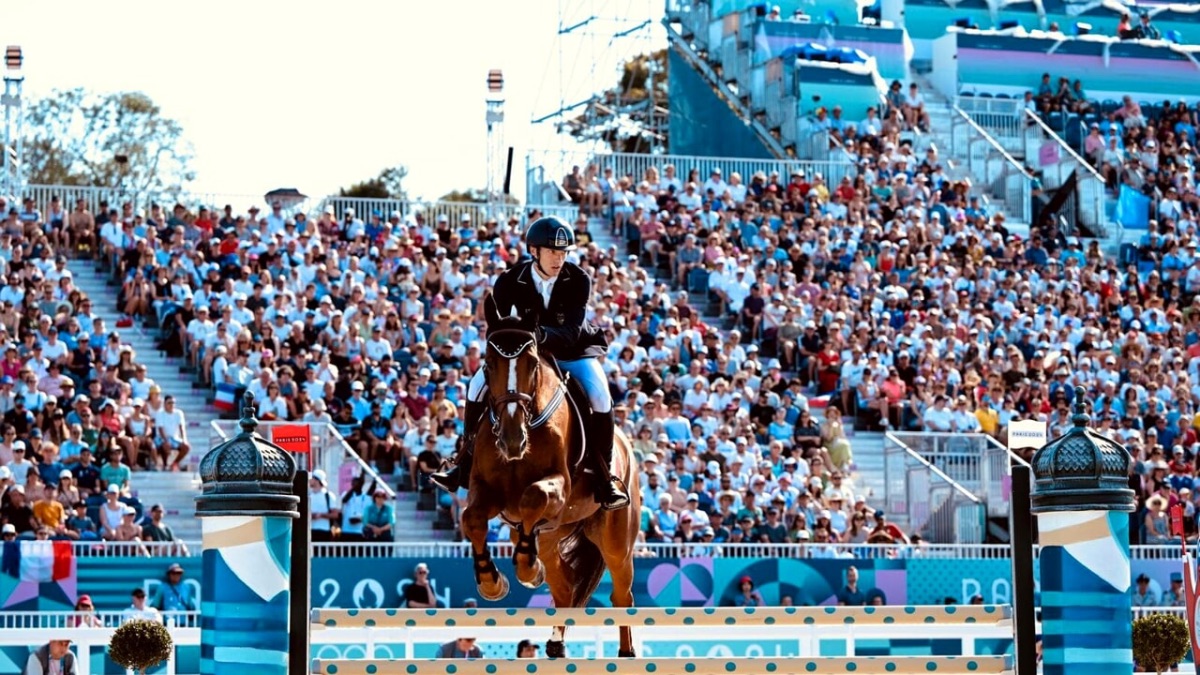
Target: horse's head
{"type": "Point", "coordinates": [512, 363]}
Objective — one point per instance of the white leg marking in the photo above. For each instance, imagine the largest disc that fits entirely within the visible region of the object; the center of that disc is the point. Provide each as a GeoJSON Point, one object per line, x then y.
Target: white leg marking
{"type": "Point", "coordinates": [556, 635]}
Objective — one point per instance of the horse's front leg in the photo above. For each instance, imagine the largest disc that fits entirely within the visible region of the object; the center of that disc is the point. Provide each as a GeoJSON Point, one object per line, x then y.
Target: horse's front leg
{"type": "Point", "coordinates": [491, 583]}
{"type": "Point", "coordinates": [541, 503]}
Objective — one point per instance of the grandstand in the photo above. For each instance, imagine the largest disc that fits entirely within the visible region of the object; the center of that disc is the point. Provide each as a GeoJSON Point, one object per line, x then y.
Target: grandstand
{"type": "Point", "coordinates": [868, 255]}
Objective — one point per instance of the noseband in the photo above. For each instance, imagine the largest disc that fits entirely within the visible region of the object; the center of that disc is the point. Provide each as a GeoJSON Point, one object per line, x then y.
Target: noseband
{"type": "Point", "coordinates": [513, 395]}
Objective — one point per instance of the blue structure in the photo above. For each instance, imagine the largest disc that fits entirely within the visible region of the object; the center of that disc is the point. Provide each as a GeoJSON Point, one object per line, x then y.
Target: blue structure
{"type": "Point", "coordinates": [247, 507]}
{"type": "Point", "coordinates": [701, 123]}
{"type": "Point", "coordinates": [1082, 502]}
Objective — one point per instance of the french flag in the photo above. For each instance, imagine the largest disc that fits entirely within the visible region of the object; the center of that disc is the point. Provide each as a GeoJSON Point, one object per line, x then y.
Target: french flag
{"type": "Point", "coordinates": [1190, 582]}
{"type": "Point", "coordinates": [38, 561]}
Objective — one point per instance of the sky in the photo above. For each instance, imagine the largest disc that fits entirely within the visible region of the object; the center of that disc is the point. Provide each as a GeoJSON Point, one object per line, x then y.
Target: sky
{"type": "Point", "coordinates": [319, 95]}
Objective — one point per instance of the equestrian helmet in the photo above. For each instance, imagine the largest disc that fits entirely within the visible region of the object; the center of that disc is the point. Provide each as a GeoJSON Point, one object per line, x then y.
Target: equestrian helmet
{"type": "Point", "coordinates": [550, 232]}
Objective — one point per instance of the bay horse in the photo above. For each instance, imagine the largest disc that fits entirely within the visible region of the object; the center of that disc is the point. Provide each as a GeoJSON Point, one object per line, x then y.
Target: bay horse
{"type": "Point", "coordinates": [524, 473]}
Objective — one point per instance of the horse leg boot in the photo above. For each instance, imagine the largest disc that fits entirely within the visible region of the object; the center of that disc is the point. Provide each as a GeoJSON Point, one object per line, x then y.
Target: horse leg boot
{"type": "Point", "coordinates": [610, 491]}
{"type": "Point", "coordinates": [459, 476]}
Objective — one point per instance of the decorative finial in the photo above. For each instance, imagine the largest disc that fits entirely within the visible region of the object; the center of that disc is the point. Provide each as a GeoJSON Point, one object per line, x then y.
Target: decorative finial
{"type": "Point", "coordinates": [249, 422]}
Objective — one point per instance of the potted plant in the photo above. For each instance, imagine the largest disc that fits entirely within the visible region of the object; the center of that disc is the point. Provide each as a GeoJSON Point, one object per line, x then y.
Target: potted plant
{"type": "Point", "coordinates": [139, 645]}
{"type": "Point", "coordinates": [1160, 641]}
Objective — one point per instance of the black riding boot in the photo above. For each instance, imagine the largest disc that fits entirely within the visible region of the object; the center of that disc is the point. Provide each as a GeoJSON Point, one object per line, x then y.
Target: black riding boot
{"type": "Point", "coordinates": [610, 491]}
{"type": "Point", "coordinates": [459, 475]}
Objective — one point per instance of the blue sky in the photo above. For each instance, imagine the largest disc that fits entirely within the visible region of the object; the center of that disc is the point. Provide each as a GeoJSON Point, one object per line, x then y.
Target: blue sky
{"type": "Point", "coordinates": [317, 95]}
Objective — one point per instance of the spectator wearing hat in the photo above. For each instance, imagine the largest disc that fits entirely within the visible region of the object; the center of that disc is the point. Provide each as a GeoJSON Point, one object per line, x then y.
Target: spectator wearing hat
{"type": "Point", "coordinates": [747, 595]}
{"type": "Point", "coordinates": [53, 658]}
{"type": "Point", "coordinates": [324, 507]}
{"type": "Point", "coordinates": [128, 530]}
{"type": "Point", "coordinates": [175, 594]}
{"type": "Point", "coordinates": [527, 649]}
{"type": "Point", "coordinates": [79, 525]}
{"type": "Point", "coordinates": [157, 530]}
{"type": "Point", "coordinates": [1175, 596]}
{"type": "Point", "coordinates": [1143, 595]}
{"type": "Point", "coordinates": [139, 609]}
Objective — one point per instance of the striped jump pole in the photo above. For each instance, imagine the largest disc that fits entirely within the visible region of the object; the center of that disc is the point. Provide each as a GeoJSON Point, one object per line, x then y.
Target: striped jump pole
{"type": "Point", "coordinates": [747, 617]}
{"type": "Point", "coordinates": [862, 665]}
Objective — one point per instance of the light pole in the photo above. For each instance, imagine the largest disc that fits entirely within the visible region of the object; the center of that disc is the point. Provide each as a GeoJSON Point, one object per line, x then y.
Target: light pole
{"type": "Point", "coordinates": [14, 118]}
{"type": "Point", "coordinates": [495, 141]}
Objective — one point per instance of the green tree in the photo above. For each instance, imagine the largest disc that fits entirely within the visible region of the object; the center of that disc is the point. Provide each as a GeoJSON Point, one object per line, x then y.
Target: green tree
{"type": "Point", "coordinates": [121, 139]}
{"type": "Point", "coordinates": [472, 196]}
{"type": "Point", "coordinates": [389, 184]}
{"type": "Point", "coordinates": [631, 116]}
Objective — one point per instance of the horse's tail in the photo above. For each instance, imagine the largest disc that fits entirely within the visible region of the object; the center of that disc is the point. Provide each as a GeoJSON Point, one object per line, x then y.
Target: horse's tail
{"type": "Point", "coordinates": [581, 563]}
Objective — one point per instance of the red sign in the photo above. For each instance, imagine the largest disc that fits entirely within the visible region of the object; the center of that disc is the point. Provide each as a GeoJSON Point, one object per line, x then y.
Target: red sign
{"type": "Point", "coordinates": [1177, 520]}
{"type": "Point", "coordinates": [292, 437]}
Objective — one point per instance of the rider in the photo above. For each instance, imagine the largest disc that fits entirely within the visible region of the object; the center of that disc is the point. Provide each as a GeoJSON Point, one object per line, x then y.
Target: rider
{"type": "Point", "coordinates": [551, 295]}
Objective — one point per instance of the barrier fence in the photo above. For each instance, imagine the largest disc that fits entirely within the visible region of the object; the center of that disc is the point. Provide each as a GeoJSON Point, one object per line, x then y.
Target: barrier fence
{"type": "Point", "coordinates": [922, 498]}
{"type": "Point", "coordinates": [805, 625]}
{"type": "Point", "coordinates": [448, 549]}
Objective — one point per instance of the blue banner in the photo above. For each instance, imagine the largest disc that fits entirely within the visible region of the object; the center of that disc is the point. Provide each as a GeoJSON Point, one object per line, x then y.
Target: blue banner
{"type": "Point", "coordinates": [1133, 209]}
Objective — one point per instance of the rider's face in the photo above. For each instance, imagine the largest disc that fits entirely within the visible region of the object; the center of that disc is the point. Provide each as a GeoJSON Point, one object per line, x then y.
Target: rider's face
{"type": "Point", "coordinates": [551, 261]}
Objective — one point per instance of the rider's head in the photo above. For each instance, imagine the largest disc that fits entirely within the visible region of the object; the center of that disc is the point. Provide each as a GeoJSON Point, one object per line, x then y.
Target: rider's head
{"type": "Point", "coordinates": [548, 239]}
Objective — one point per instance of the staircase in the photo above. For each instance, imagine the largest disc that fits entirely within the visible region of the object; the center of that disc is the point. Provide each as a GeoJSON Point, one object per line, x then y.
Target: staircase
{"type": "Point", "coordinates": [175, 491]}
{"type": "Point", "coordinates": [944, 122]}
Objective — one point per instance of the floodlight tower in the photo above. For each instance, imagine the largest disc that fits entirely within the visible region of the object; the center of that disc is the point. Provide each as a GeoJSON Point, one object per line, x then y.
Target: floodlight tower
{"type": "Point", "coordinates": [495, 140]}
{"type": "Point", "coordinates": [11, 182]}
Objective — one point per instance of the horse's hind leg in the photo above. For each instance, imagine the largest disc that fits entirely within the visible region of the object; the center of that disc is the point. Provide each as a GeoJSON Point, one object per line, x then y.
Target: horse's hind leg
{"type": "Point", "coordinates": [491, 583]}
{"type": "Point", "coordinates": [616, 546]}
{"type": "Point", "coordinates": [561, 586]}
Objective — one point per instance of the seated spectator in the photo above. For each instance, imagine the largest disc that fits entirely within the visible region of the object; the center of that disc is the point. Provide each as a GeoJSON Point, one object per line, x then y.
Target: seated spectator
{"type": "Point", "coordinates": [79, 525]}
{"type": "Point", "coordinates": [158, 531]}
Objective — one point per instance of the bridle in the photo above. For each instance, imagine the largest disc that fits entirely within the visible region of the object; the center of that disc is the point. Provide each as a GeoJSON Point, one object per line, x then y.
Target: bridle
{"type": "Point", "coordinates": [514, 395]}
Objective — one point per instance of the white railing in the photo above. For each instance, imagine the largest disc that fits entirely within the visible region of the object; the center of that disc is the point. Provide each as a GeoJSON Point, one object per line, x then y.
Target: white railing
{"type": "Point", "coordinates": [554, 165]}
{"type": "Point", "coordinates": [449, 549]}
{"type": "Point", "coordinates": [1002, 117]}
{"type": "Point", "coordinates": [93, 196]}
{"type": "Point", "coordinates": [1089, 184]}
{"type": "Point", "coordinates": [87, 640]}
{"type": "Point", "coordinates": [1002, 174]}
{"type": "Point", "coordinates": [925, 499]}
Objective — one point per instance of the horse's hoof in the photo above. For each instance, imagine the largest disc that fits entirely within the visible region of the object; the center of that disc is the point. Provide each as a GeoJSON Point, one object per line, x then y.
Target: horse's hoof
{"type": "Point", "coordinates": [556, 649]}
{"type": "Point", "coordinates": [539, 576]}
{"type": "Point", "coordinates": [626, 654]}
{"type": "Point", "coordinates": [499, 589]}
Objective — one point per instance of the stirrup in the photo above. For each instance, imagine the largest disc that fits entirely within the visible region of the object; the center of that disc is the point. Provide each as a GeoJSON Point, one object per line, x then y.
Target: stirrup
{"type": "Point", "coordinates": [617, 498]}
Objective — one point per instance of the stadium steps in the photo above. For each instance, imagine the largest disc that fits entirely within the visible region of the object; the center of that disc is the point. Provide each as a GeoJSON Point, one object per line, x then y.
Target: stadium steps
{"type": "Point", "coordinates": [867, 472]}
{"type": "Point", "coordinates": [942, 125]}
{"type": "Point", "coordinates": [176, 491]}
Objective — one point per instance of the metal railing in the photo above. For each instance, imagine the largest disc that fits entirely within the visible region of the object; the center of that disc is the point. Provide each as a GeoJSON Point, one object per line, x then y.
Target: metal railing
{"type": "Point", "coordinates": [934, 504]}
{"type": "Point", "coordinates": [449, 549]}
{"type": "Point", "coordinates": [330, 451]}
{"type": "Point", "coordinates": [84, 620]}
{"type": "Point", "coordinates": [558, 163]}
{"type": "Point", "coordinates": [1002, 117]}
{"type": "Point", "coordinates": [977, 462]}
{"type": "Point", "coordinates": [1089, 191]}
{"type": "Point", "coordinates": [1003, 176]}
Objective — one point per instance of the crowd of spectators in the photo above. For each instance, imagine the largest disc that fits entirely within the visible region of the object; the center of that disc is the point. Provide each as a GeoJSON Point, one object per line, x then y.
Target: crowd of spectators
{"type": "Point", "coordinates": [78, 417]}
{"type": "Point", "coordinates": [749, 319]}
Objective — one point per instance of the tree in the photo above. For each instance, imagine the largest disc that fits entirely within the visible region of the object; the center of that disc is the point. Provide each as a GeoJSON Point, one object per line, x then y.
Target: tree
{"type": "Point", "coordinates": [472, 196]}
{"type": "Point", "coordinates": [1160, 641]}
{"type": "Point", "coordinates": [389, 184]}
{"type": "Point", "coordinates": [120, 140]}
{"type": "Point", "coordinates": [631, 116]}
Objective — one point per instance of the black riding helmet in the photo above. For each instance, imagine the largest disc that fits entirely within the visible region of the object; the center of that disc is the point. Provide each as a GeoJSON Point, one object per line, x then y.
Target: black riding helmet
{"type": "Point", "coordinates": [550, 232]}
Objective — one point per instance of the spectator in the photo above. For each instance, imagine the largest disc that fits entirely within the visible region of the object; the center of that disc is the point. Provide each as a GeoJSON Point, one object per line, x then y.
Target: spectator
{"type": "Point", "coordinates": [461, 648]}
{"type": "Point", "coordinates": [172, 434]}
{"type": "Point", "coordinates": [379, 518]}
{"type": "Point", "coordinates": [850, 595]}
{"type": "Point", "coordinates": [173, 594]}
{"type": "Point", "coordinates": [53, 658]}
{"type": "Point", "coordinates": [139, 609]}
{"type": "Point", "coordinates": [1142, 595]}
{"type": "Point", "coordinates": [527, 649]}
{"type": "Point", "coordinates": [79, 525]}
{"type": "Point", "coordinates": [85, 614]}
{"type": "Point", "coordinates": [17, 512]}
{"type": "Point", "coordinates": [129, 531]}
{"type": "Point", "coordinates": [158, 531]}
{"type": "Point", "coordinates": [49, 512]}
{"type": "Point", "coordinates": [112, 512]}
{"type": "Point", "coordinates": [747, 595]}
{"type": "Point", "coordinates": [418, 594]}
{"type": "Point", "coordinates": [324, 507]}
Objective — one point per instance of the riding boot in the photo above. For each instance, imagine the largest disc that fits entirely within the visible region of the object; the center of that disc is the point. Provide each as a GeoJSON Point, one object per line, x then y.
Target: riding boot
{"type": "Point", "coordinates": [459, 476]}
{"type": "Point", "coordinates": [610, 491]}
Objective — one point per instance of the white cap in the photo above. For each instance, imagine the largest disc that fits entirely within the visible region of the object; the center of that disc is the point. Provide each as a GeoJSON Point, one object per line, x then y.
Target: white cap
{"type": "Point", "coordinates": [8, 528]}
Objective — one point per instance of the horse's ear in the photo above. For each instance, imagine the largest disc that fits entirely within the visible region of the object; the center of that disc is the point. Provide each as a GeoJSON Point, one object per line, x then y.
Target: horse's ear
{"type": "Point", "coordinates": [512, 314]}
